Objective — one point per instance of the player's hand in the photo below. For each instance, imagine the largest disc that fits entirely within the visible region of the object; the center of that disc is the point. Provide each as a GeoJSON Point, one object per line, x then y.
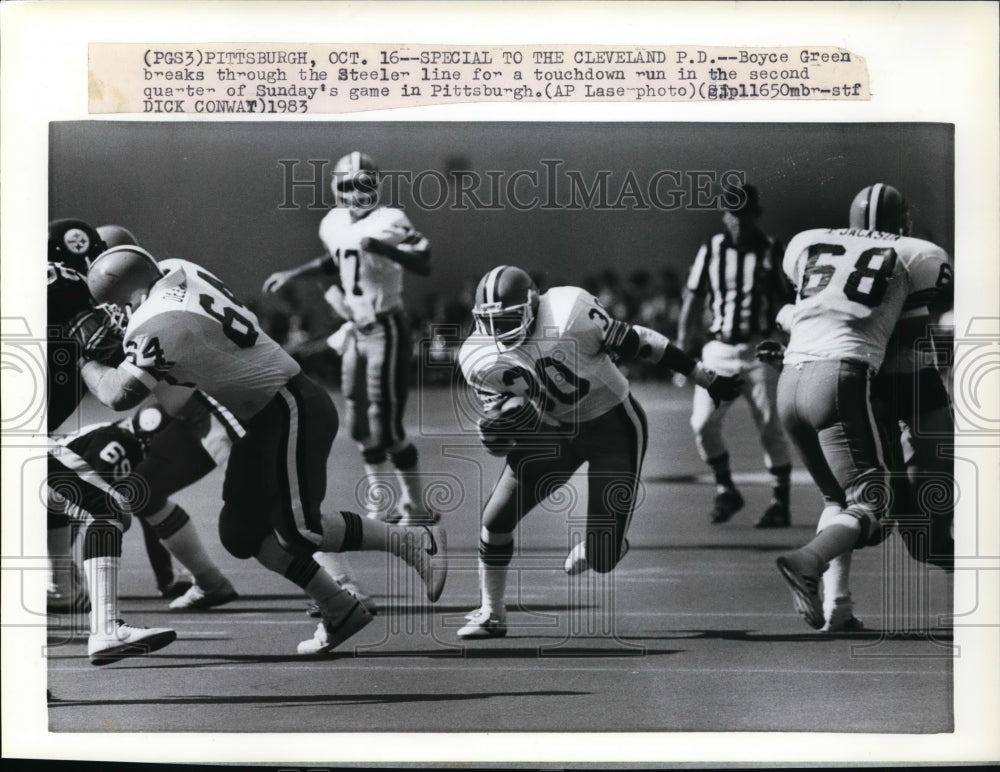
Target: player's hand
{"type": "Point", "coordinates": [500, 427]}
{"type": "Point", "coordinates": [340, 340]}
{"type": "Point", "coordinates": [276, 281]}
{"type": "Point", "coordinates": [772, 353]}
{"type": "Point", "coordinates": [96, 338]}
{"type": "Point", "coordinates": [721, 388]}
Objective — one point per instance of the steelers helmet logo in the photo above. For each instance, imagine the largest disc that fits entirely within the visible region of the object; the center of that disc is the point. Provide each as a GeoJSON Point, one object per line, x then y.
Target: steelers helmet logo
{"type": "Point", "coordinates": [149, 420]}
{"type": "Point", "coordinates": [76, 241]}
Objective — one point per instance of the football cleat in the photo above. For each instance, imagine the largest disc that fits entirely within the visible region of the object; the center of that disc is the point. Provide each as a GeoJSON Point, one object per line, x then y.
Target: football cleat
{"type": "Point", "coordinates": [355, 592]}
{"type": "Point", "coordinates": [180, 585]}
{"type": "Point", "coordinates": [424, 548]}
{"type": "Point", "coordinates": [576, 560]}
{"type": "Point", "coordinates": [483, 623]}
{"type": "Point", "coordinates": [506, 303]}
{"type": "Point", "coordinates": [727, 504]}
{"type": "Point", "coordinates": [880, 207]}
{"type": "Point", "coordinates": [840, 617]}
{"type": "Point", "coordinates": [198, 598]}
{"type": "Point", "coordinates": [802, 576]}
{"type": "Point", "coordinates": [332, 632]}
{"type": "Point", "coordinates": [127, 641]}
{"type": "Point", "coordinates": [776, 515]}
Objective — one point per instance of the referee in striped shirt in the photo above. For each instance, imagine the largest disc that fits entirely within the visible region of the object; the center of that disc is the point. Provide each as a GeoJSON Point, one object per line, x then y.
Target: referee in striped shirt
{"type": "Point", "coordinates": [737, 274]}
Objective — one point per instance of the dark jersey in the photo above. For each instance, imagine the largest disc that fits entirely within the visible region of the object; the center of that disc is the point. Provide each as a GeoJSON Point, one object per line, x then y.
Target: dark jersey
{"type": "Point", "coordinates": [67, 296]}
{"type": "Point", "coordinates": [108, 449]}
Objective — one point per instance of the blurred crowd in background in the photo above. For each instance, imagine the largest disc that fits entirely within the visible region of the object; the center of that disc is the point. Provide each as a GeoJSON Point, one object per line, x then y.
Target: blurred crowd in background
{"type": "Point", "coordinates": [301, 320]}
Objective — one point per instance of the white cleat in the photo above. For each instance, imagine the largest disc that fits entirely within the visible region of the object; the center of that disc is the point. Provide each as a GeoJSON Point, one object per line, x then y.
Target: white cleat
{"type": "Point", "coordinates": [425, 548]}
{"type": "Point", "coordinates": [197, 598]}
{"type": "Point", "coordinates": [127, 641]}
{"type": "Point", "coordinates": [802, 576]}
{"type": "Point", "coordinates": [483, 623]}
{"type": "Point", "coordinates": [331, 633]}
{"type": "Point", "coordinates": [576, 560]}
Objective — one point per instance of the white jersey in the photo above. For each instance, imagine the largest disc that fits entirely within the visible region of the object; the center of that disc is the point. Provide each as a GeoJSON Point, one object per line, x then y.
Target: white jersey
{"type": "Point", "coordinates": [191, 331]}
{"type": "Point", "coordinates": [372, 284]}
{"type": "Point", "coordinates": [564, 366]}
{"type": "Point", "coordinates": [853, 286]}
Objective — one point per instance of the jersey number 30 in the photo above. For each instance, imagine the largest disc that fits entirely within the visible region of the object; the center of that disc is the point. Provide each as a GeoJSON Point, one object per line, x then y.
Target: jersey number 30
{"type": "Point", "coordinates": [866, 284]}
{"type": "Point", "coordinates": [237, 327]}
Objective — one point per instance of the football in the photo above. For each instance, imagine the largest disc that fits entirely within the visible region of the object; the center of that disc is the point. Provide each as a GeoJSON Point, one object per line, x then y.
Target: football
{"type": "Point", "coordinates": [501, 426]}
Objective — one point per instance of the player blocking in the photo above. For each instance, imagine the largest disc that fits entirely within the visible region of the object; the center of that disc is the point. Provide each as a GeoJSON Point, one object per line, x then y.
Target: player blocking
{"type": "Point", "coordinates": [186, 326]}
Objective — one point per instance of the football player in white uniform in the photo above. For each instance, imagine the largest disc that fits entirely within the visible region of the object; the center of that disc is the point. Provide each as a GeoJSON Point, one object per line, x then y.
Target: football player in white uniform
{"type": "Point", "coordinates": [855, 285]}
{"type": "Point", "coordinates": [186, 327]}
{"type": "Point", "coordinates": [368, 247]}
{"type": "Point", "coordinates": [553, 399]}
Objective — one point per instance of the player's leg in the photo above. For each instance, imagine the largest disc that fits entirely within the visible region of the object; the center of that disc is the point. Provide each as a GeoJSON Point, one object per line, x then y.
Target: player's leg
{"type": "Point", "coordinates": [761, 391]}
{"type": "Point", "coordinates": [615, 446]}
{"type": "Point", "coordinates": [833, 399]}
{"type": "Point", "coordinates": [528, 476]}
{"type": "Point", "coordinates": [174, 460]}
{"type": "Point", "coordinates": [160, 561]}
{"type": "Point", "coordinates": [105, 515]}
{"type": "Point", "coordinates": [388, 354]}
{"type": "Point", "coordinates": [376, 492]}
{"type": "Point", "coordinates": [929, 458]}
{"type": "Point", "coordinates": [67, 589]}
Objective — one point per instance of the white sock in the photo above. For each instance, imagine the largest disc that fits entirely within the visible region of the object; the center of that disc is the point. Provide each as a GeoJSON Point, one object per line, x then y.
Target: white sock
{"type": "Point", "coordinates": [379, 496]}
{"type": "Point", "coordinates": [492, 586]}
{"type": "Point", "coordinates": [335, 564]}
{"type": "Point", "coordinates": [835, 580]}
{"type": "Point", "coordinates": [102, 582]}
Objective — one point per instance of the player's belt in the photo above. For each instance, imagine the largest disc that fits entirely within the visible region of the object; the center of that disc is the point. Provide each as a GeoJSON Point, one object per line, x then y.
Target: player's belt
{"type": "Point", "coordinates": [380, 317]}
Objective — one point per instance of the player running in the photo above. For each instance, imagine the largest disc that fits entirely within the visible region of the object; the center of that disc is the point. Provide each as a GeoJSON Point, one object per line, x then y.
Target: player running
{"type": "Point", "coordinates": [368, 248]}
{"type": "Point", "coordinates": [854, 285]}
{"type": "Point", "coordinates": [76, 327]}
{"type": "Point", "coordinates": [186, 327]}
{"type": "Point", "coordinates": [542, 368]}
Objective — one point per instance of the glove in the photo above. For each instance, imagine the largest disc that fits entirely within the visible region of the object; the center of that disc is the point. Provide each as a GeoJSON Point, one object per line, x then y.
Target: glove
{"type": "Point", "coordinates": [501, 426]}
{"type": "Point", "coordinates": [115, 317]}
{"type": "Point", "coordinates": [721, 388]}
{"type": "Point", "coordinates": [770, 352]}
{"type": "Point", "coordinates": [97, 341]}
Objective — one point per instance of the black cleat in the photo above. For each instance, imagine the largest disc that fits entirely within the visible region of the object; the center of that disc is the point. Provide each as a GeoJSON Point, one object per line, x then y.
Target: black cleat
{"type": "Point", "coordinates": [727, 504]}
{"type": "Point", "coordinates": [776, 515]}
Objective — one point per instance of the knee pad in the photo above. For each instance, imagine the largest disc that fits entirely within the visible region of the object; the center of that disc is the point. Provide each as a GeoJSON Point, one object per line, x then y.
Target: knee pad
{"type": "Point", "coordinates": [404, 458]}
{"type": "Point", "coordinates": [496, 555]}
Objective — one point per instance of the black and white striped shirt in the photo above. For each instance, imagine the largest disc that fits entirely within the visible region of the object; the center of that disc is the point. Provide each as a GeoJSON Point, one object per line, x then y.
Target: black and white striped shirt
{"type": "Point", "coordinates": [743, 285]}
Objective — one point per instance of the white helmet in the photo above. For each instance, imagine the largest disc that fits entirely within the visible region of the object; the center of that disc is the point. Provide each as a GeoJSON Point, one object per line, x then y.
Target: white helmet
{"type": "Point", "coordinates": [122, 276]}
{"type": "Point", "coordinates": [355, 182]}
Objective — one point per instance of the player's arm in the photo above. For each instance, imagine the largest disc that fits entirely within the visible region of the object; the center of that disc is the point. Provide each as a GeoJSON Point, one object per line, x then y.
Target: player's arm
{"type": "Point", "coordinates": [413, 252]}
{"type": "Point", "coordinates": [693, 304]}
{"type": "Point", "coordinates": [641, 343]}
{"type": "Point", "coordinates": [113, 386]}
{"type": "Point", "coordinates": [324, 264]}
